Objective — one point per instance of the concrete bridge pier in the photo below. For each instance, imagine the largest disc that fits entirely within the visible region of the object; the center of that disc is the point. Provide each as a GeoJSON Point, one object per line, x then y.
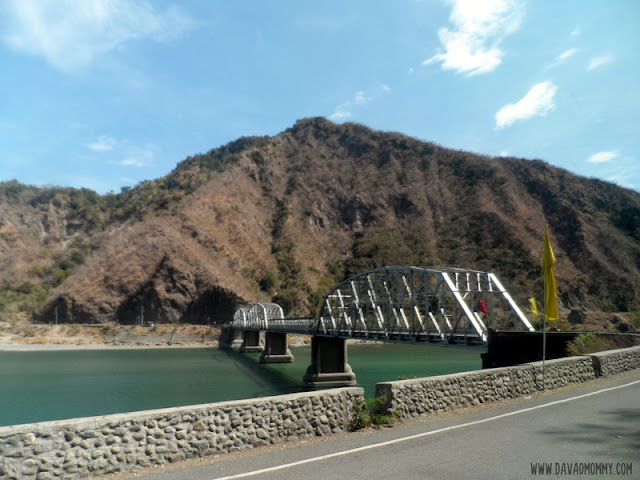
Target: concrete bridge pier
{"type": "Point", "coordinates": [276, 349]}
{"type": "Point", "coordinates": [253, 341]}
{"type": "Point", "coordinates": [329, 367]}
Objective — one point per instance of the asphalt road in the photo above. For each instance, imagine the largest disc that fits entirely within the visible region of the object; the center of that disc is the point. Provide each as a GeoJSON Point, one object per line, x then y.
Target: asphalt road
{"type": "Point", "coordinates": [589, 431]}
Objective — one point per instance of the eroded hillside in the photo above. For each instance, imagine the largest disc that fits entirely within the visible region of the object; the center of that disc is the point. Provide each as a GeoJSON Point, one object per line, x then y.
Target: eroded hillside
{"type": "Point", "coordinates": [285, 218]}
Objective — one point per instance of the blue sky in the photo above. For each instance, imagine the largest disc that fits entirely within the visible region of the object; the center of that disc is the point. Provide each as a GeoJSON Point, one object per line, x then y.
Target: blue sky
{"type": "Point", "coordinates": [107, 93]}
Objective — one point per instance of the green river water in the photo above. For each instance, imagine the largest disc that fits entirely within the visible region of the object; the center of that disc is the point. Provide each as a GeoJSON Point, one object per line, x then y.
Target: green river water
{"type": "Point", "coordinates": [42, 386]}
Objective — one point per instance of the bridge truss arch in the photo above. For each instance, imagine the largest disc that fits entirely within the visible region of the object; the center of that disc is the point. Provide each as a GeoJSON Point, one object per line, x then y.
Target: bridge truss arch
{"type": "Point", "coordinates": [270, 316]}
{"type": "Point", "coordinates": [435, 304]}
{"type": "Point", "coordinates": [240, 317]}
{"type": "Point", "coordinates": [259, 315]}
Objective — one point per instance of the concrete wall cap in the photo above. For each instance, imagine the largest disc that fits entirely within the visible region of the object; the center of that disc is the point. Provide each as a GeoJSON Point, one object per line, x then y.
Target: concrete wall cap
{"type": "Point", "coordinates": [629, 350]}
{"type": "Point", "coordinates": [89, 423]}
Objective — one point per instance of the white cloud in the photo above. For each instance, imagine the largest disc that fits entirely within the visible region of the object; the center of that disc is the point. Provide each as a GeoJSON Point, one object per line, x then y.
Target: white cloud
{"type": "Point", "coordinates": [340, 115]}
{"type": "Point", "coordinates": [361, 98]}
{"type": "Point", "coordinates": [563, 57]}
{"type": "Point", "coordinates": [537, 101]}
{"type": "Point", "coordinates": [70, 34]}
{"type": "Point", "coordinates": [139, 157]}
{"type": "Point", "coordinates": [567, 54]}
{"type": "Point", "coordinates": [129, 155]}
{"type": "Point", "coordinates": [472, 46]}
{"type": "Point", "coordinates": [602, 157]}
{"type": "Point", "coordinates": [104, 143]}
{"type": "Point", "coordinates": [344, 110]}
{"type": "Point", "coordinates": [576, 32]}
{"type": "Point", "coordinates": [597, 62]}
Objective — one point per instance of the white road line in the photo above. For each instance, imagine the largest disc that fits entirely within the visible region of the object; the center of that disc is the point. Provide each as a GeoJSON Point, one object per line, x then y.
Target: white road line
{"type": "Point", "coordinates": [418, 435]}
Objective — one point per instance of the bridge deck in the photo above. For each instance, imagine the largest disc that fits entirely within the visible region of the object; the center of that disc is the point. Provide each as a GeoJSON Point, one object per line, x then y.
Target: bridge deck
{"type": "Point", "coordinates": [308, 326]}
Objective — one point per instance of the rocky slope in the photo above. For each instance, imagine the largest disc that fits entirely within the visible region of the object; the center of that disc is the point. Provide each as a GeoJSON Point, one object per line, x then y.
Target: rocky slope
{"type": "Point", "coordinates": [285, 218]}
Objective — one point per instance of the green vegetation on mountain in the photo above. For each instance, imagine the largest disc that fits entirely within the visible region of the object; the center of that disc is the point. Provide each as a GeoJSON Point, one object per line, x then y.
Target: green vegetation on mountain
{"type": "Point", "coordinates": [285, 218]}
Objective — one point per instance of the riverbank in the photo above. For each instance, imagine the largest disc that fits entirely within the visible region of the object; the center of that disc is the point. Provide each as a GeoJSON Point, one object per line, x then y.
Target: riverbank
{"type": "Point", "coordinates": [66, 347]}
{"type": "Point", "coordinates": [26, 336]}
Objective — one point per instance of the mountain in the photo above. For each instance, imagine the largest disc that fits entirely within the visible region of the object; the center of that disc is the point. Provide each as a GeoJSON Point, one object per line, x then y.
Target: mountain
{"type": "Point", "coordinates": [285, 218]}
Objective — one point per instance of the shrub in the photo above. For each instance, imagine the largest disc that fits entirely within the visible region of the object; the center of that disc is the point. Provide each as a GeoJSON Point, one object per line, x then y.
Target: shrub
{"type": "Point", "coordinates": [59, 277]}
{"type": "Point", "coordinates": [589, 343]}
{"type": "Point", "coordinates": [366, 414]}
{"type": "Point", "coordinates": [106, 330]}
{"type": "Point", "coordinates": [77, 257]}
{"type": "Point", "coordinates": [269, 282]}
{"type": "Point", "coordinates": [64, 264]}
{"type": "Point", "coordinates": [290, 299]}
{"type": "Point", "coordinates": [336, 268]}
{"type": "Point", "coordinates": [26, 288]}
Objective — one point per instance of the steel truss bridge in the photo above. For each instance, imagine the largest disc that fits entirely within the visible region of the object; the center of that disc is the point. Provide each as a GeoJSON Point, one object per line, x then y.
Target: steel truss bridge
{"type": "Point", "coordinates": [442, 305]}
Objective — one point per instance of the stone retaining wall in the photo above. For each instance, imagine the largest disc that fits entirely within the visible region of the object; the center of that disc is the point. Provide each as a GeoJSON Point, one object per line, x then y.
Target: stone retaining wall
{"type": "Point", "coordinates": [423, 396]}
{"type": "Point", "coordinates": [616, 361]}
{"type": "Point", "coordinates": [92, 446]}
{"type": "Point", "coordinates": [415, 397]}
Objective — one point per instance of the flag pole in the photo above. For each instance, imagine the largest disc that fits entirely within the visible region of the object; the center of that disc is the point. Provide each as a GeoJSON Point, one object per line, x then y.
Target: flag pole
{"type": "Point", "coordinates": [544, 349]}
{"type": "Point", "coordinates": [550, 296]}
{"type": "Point", "coordinates": [534, 310]}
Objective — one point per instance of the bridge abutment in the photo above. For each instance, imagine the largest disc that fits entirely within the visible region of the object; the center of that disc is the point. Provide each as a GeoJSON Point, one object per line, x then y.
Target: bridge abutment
{"type": "Point", "coordinates": [276, 349]}
{"type": "Point", "coordinates": [253, 341]}
{"type": "Point", "coordinates": [329, 367]}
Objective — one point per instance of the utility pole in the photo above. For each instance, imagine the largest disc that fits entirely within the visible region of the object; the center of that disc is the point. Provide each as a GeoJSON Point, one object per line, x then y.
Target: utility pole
{"type": "Point", "coordinates": [56, 312]}
{"type": "Point", "coordinates": [142, 315]}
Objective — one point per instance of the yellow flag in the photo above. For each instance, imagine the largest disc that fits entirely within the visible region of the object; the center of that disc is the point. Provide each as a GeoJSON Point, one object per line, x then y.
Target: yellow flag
{"type": "Point", "coordinates": [534, 307]}
{"type": "Point", "coordinates": [550, 287]}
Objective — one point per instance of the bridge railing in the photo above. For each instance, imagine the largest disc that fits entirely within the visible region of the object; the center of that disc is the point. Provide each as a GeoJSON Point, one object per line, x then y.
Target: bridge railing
{"type": "Point", "coordinates": [269, 316]}
{"type": "Point", "coordinates": [301, 325]}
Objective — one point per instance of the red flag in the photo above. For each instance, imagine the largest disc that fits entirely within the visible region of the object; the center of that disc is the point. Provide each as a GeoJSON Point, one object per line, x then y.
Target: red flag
{"type": "Point", "coordinates": [482, 305]}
